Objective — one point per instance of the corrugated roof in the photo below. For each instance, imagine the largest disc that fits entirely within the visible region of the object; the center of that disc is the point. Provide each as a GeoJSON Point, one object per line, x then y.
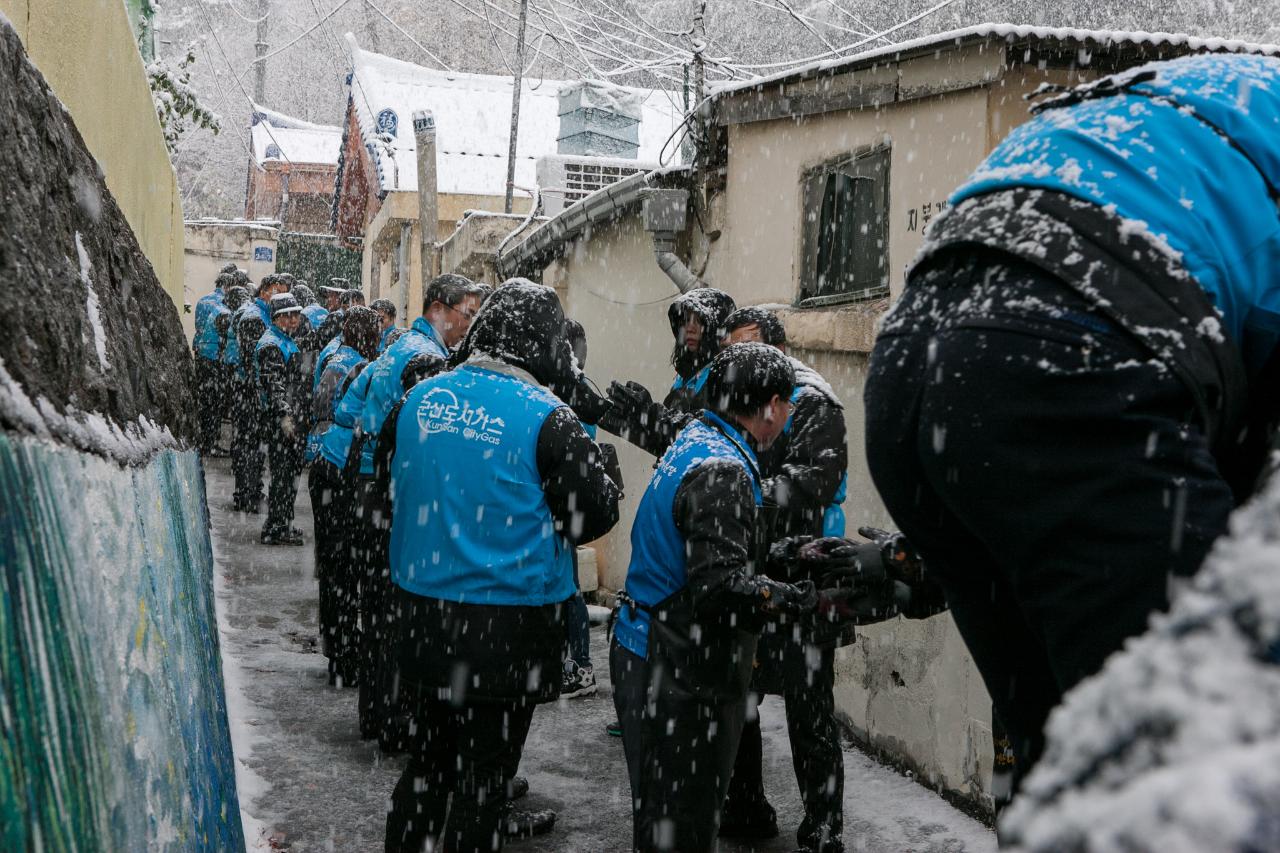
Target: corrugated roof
{"type": "Point", "coordinates": [473, 116]}
{"type": "Point", "coordinates": [1010, 32]}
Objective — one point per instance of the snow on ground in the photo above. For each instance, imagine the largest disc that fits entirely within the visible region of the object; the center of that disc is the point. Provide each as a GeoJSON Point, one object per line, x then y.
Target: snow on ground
{"type": "Point", "coordinates": [312, 785]}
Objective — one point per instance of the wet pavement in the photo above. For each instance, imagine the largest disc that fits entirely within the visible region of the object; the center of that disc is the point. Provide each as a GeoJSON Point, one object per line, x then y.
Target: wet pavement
{"type": "Point", "coordinates": [308, 783]}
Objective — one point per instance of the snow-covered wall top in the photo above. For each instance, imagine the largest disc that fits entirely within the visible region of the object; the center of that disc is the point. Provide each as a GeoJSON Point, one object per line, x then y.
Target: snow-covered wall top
{"type": "Point", "coordinates": [473, 118]}
{"type": "Point", "coordinates": [979, 32]}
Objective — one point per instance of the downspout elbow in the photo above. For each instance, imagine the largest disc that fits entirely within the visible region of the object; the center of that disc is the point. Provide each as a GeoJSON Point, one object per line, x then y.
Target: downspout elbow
{"type": "Point", "coordinates": [675, 268]}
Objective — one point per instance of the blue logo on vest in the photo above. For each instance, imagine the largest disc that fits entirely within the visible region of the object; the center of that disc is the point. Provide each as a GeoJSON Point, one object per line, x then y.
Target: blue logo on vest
{"type": "Point", "coordinates": [440, 411]}
{"type": "Point", "coordinates": [388, 121]}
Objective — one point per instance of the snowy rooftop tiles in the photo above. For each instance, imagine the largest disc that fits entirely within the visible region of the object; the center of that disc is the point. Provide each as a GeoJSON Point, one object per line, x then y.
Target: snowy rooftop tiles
{"type": "Point", "coordinates": [473, 115]}
{"type": "Point", "coordinates": [279, 137]}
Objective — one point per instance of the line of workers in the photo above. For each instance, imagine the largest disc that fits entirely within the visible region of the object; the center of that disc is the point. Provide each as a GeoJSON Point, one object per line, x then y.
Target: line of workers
{"type": "Point", "coordinates": [454, 470]}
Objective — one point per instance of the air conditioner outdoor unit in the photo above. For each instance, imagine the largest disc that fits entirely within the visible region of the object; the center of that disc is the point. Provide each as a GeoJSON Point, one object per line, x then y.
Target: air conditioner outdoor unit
{"type": "Point", "coordinates": [564, 179]}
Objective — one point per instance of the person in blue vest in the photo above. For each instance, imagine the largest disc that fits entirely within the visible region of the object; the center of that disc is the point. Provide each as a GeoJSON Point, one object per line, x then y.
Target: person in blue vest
{"type": "Point", "coordinates": [386, 310]}
{"type": "Point", "coordinates": [493, 481]}
{"type": "Point", "coordinates": [697, 324]}
{"type": "Point", "coordinates": [802, 478]}
{"type": "Point", "coordinates": [207, 349]}
{"type": "Point", "coordinates": [247, 326]}
{"type": "Point", "coordinates": [328, 446]}
{"type": "Point", "coordinates": [282, 395]}
{"type": "Point", "coordinates": [1078, 382]}
{"type": "Point", "coordinates": [331, 325]}
{"type": "Point", "coordinates": [449, 304]}
{"type": "Point", "coordinates": [311, 309]}
{"type": "Point", "coordinates": [685, 633]}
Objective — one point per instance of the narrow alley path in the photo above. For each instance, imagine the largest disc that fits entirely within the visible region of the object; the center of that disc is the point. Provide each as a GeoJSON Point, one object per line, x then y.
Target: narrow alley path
{"type": "Point", "coordinates": [311, 784]}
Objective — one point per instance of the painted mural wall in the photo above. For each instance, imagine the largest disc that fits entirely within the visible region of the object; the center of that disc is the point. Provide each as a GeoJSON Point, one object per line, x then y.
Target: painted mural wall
{"type": "Point", "coordinates": [115, 728]}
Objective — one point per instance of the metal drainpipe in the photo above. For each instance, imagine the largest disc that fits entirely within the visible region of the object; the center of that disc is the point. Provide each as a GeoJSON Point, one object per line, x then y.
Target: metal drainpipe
{"type": "Point", "coordinates": [664, 215]}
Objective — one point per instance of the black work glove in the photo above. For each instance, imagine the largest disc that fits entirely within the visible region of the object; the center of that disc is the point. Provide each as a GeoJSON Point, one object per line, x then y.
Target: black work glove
{"type": "Point", "coordinates": [609, 459]}
{"type": "Point", "coordinates": [589, 406]}
{"type": "Point", "coordinates": [826, 558]}
{"type": "Point", "coordinates": [631, 398]}
{"type": "Point", "coordinates": [862, 604]}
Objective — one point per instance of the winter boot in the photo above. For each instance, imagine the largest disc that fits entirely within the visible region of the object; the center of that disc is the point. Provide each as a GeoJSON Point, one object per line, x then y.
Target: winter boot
{"type": "Point", "coordinates": [283, 537]}
{"type": "Point", "coordinates": [524, 823]}
{"type": "Point", "coordinates": [577, 681]}
{"type": "Point", "coordinates": [745, 821]}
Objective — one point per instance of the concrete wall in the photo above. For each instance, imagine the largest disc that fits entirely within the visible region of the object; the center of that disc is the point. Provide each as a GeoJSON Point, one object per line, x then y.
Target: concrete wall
{"type": "Point", "coordinates": [611, 284]}
{"type": "Point", "coordinates": [86, 51]}
{"type": "Point", "coordinates": [213, 243]}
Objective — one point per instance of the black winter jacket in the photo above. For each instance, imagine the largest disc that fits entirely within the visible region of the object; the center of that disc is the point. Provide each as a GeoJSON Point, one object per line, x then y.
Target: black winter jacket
{"type": "Point", "coordinates": [283, 388]}
{"type": "Point", "coordinates": [803, 469]}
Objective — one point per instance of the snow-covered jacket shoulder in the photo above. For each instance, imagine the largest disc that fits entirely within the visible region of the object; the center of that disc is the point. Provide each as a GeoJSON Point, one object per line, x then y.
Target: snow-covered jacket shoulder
{"type": "Point", "coordinates": [1185, 154]}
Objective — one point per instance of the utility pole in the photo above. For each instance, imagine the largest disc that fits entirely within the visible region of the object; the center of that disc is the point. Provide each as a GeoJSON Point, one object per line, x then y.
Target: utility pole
{"type": "Point", "coordinates": [698, 41]}
{"type": "Point", "coordinates": [515, 103]}
{"type": "Point", "coordinates": [260, 67]}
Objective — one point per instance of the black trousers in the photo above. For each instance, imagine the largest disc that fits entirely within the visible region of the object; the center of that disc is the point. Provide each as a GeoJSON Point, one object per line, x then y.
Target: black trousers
{"type": "Point", "coordinates": [1051, 474]}
{"type": "Point", "coordinates": [679, 753]}
{"type": "Point", "coordinates": [381, 705]}
{"type": "Point", "coordinates": [336, 570]}
{"type": "Point", "coordinates": [816, 754]}
{"type": "Point", "coordinates": [247, 445]}
{"type": "Point", "coordinates": [284, 454]}
{"type": "Point", "coordinates": [211, 392]}
{"type": "Point", "coordinates": [468, 752]}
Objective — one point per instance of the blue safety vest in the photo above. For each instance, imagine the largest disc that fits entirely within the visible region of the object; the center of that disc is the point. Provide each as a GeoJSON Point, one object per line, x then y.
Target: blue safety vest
{"type": "Point", "coordinates": [694, 383]}
{"type": "Point", "coordinates": [386, 336]}
{"type": "Point", "coordinates": [470, 521]}
{"type": "Point", "coordinates": [328, 350]}
{"type": "Point", "coordinates": [384, 386]}
{"type": "Point", "coordinates": [1160, 158]}
{"type": "Point", "coordinates": [315, 314]}
{"type": "Point", "coordinates": [658, 568]}
{"type": "Point", "coordinates": [231, 354]}
{"type": "Point", "coordinates": [210, 306]}
{"type": "Point", "coordinates": [275, 337]}
{"type": "Point", "coordinates": [333, 442]}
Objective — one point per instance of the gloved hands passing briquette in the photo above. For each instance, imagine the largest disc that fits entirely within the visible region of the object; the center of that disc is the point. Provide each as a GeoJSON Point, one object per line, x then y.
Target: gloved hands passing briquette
{"type": "Point", "coordinates": [859, 582]}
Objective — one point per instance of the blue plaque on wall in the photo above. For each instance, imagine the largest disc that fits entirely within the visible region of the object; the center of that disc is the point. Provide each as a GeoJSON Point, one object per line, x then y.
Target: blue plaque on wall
{"type": "Point", "coordinates": [262, 253]}
{"type": "Point", "coordinates": [388, 121]}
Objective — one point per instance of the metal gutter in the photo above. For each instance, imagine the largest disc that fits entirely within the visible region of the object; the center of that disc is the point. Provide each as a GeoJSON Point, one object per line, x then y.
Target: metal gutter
{"type": "Point", "coordinates": [538, 249]}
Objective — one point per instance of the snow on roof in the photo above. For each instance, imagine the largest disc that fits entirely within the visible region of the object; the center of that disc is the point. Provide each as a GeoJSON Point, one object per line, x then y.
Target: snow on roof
{"type": "Point", "coordinates": [277, 136]}
{"type": "Point", "coordinates": [1005, 31]}
{"type": "Point", "coordinates": [473, 117]}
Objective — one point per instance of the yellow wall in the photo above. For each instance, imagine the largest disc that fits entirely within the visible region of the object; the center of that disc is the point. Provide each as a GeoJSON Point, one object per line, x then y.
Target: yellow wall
{"type": "Point", "coordinates": [86, 51]}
